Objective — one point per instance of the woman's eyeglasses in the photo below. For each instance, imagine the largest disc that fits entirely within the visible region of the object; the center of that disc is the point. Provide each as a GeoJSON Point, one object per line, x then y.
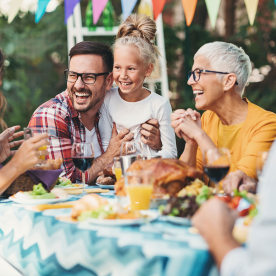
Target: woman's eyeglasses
{"type": "Point", "coordinates": [197, 72]}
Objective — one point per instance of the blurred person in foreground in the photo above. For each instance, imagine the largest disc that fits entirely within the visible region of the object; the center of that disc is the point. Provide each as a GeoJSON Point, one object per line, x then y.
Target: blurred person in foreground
{"type": "Point", "coordinates": [25, 157]}
{"type": "Point", "coordinates": [9, 134]}
{"type": "Point", "coordinates": [259, 255]}
{"type": "Point", "coordinates": [79, 115]}
{"type": "Point", "coordinates": [218, 79]}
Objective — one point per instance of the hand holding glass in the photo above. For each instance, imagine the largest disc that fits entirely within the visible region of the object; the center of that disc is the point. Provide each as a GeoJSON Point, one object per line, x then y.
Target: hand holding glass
{"type": "Point", "coordinates": [28, 133]}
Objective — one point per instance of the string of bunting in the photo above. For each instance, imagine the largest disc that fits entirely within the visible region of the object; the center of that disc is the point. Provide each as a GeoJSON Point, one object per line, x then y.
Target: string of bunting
{"type": "Point", "coordinates": [150, 7]}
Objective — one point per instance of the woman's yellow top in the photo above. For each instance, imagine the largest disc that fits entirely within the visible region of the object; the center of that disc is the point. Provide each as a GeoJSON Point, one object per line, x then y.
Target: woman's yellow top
{"type": "Point", "coordinates": [244, 140]}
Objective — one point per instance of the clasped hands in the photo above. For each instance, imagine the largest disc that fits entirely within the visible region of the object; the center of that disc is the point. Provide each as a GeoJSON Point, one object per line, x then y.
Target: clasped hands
{"type": "Point", "coordinates": [186, 124]}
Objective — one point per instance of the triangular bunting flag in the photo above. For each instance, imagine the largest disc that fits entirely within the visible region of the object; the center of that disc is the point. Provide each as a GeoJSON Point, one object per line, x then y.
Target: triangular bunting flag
{"type": "Point", "coordinates": [41, 8]}
{"type": "Point", "coordinates": [14, 8]}
{"type": "Point", "coordinates": [145, 7]}
{"type": "Point", "coordinates": [127, 7]}
{"type": "Point", "coordinates": [189, 7]}
{"type": "Point", "coordinates": [98, 7]}
{"type": "Point", "coordinates": [213, 8]}
{"type": "Point", "coordinates": [251, 7]}
{"type": "Point", "coordinates": [69, 6]}
{"type": "Point", "coordinates": [158, 6]}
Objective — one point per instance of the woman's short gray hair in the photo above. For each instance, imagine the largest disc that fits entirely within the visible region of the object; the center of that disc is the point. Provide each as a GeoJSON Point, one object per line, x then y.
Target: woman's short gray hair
{"type": "Point", "coordinates": [227, 57]}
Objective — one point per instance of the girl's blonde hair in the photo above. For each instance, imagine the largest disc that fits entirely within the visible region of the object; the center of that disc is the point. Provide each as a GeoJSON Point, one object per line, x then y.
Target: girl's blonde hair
{"type": "Point", "coordinates": [139, 30]}
{"type": "Point", "coordinates": [3, 102]}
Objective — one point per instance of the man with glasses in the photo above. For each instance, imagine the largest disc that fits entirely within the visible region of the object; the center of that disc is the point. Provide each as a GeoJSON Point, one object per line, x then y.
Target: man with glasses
{"type": "Point", "coordinates": [79, 115]}
{"type": "Point", "coordinates": [218, 79]}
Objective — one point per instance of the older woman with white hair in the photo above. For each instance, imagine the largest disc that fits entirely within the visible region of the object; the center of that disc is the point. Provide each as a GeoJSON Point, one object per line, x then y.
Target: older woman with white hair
{"type": "Point", "coordinates": [218, 78]}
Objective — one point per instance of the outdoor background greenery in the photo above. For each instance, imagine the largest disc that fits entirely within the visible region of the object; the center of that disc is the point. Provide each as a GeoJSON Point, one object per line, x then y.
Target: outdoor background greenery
{"type": "Point", "coordinates": [37, 53]}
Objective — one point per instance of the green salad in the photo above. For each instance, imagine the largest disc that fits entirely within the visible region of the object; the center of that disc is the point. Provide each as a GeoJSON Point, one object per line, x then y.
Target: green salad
{"type": "Point", "coordinates": [103, 212]}
{"type": "Point", "coordinates": [39, 192]}
{"type": "Point", "coordinates": [63, 182]}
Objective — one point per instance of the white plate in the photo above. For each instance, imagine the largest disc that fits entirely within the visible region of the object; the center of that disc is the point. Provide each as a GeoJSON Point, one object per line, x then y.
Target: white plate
{"type": "Point", "coordinates": [24, 198]}
{"type": "Point", "coordinates": [110, 187]}
{"type": "Point", "coordinates": [177, 220]}
{"type": "Point", "coordinates": [72, 186]}
{"type": "Point", "coordinates": [150, 216]}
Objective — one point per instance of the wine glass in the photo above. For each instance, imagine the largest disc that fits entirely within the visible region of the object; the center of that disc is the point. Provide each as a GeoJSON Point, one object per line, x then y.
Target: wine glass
{"type": "Point", "coordinates": [83, 156]}
{"type": "Point", "coordinates": [216, 164]}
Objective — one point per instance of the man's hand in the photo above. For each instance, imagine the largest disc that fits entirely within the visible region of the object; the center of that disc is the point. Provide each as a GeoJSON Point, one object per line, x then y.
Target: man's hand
{"type": "Point", "coordinates": [150, 134]}
{"type": "Point", "coordinates": [7, 143]}
{"type": "Point", "coordinates": [113, 150]}
{"type": "Point", "coordinates": [239, 180]}
{"type": "Point", "coordinates": [215, 221]}
{"type": "Point", "coordinates": [117, 139]}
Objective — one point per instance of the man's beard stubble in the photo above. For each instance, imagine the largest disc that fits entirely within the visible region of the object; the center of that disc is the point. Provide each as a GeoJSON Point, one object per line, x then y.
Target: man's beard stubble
{"type": "Point", "coordinates": [92, 104]}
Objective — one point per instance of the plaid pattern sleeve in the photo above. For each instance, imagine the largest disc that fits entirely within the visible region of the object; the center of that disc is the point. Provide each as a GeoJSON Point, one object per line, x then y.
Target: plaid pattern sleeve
{"type": "Point", "coordinates": [58, 118]}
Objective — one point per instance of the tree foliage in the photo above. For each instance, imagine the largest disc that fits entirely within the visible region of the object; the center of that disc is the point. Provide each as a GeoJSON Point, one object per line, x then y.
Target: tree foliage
{"type": "Point", "coordinates": [36, 55]}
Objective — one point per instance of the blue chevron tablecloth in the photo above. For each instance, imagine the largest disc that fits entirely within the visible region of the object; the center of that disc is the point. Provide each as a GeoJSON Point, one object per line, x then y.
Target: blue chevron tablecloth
{"type": "Point", "coordinates": [36, 243]}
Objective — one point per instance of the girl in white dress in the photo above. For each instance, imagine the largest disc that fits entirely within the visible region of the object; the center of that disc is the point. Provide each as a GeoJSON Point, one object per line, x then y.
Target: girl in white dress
{"type": "Point", "coordinates": [130, 104]}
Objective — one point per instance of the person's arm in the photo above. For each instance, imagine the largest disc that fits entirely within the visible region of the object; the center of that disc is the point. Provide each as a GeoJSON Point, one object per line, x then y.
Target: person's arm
{"type": "Point", "coordinates": [54, 121]}
{"type": "Point", "coordinates": [25, 158]}
{"type": "Point", "coordinates": [215, 221]}
{"type": "Point", "coordinates": [189, 153]}
{"type": "Point", "coordinates": [7, 143]}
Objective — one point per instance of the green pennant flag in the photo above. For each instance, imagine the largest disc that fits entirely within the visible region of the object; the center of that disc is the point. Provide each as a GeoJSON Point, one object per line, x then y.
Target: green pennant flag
{"type": "Point", "coordinates": [213, 8]}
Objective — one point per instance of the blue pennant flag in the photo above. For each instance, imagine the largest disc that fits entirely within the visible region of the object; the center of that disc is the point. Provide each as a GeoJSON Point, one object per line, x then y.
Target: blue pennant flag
{"type": "Point", "coordinates": [41, 8]}
{"type": "Point", "coordinates": [69, 6]}
{"type": "Point", "coordinates": [127, 7]}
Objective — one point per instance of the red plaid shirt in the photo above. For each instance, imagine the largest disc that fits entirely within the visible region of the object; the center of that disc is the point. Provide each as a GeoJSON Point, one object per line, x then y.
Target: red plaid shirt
{"type": "Point", "coordinates": [61, 121]}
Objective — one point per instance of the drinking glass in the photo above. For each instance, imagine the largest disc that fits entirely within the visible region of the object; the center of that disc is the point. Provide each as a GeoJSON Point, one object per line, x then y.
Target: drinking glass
{"type": "Point", "coordinates": [216, 164]}
{"type": "Point", "coordinates": [83, 156]}
{"type": "Point", "coordinates": [128, 155]}
{"type": "Point", "coordinates": [128, 148]}
{"type": "Point", "coordinates": [117, 168]}
{"type": "Point", "coordinates": [139, 186]}
{"type": "Point", "coordinates": [28, 133]}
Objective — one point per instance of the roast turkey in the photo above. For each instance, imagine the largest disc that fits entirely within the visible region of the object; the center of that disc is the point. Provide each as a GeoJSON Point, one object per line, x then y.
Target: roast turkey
{"type": "Point", "coordinates": [170, 175]}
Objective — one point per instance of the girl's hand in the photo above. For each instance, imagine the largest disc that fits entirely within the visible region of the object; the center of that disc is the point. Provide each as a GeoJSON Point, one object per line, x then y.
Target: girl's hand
{"type": "Point", "coordinates": [150, 134]}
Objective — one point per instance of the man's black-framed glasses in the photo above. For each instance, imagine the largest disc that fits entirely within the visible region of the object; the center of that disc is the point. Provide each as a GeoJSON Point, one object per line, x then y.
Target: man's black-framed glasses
{"type": "Point", "coordinates": [87, 78]}
{"type": "Point", "coordinates": [197, 72]}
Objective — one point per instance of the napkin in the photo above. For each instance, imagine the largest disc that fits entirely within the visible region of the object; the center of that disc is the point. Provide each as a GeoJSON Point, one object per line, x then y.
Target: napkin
{"type": "Point", "coordinates": [48, 178]}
